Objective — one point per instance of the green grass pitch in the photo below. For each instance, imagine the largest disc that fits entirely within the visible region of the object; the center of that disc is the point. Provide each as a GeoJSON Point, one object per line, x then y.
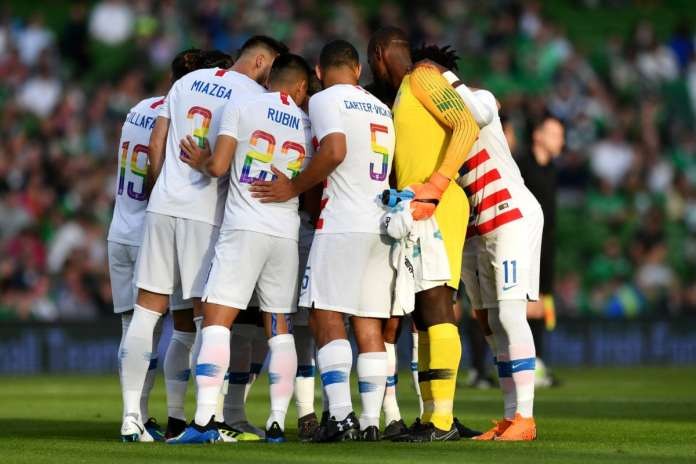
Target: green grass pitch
{"type": "Point", "coordinates": [598, 415]}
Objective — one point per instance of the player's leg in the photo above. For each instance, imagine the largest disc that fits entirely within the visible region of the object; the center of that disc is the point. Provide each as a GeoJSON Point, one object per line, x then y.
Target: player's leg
{"type": "Point", "coordinates": [155, 279]}
{"type": "Point", "coordinates": [177, 362]}
{"type": "Point", "coordinates": [150, 423]}
{"type": "Point", "coordinates": [414, 366]}
{"type": "Point", "coordinates": [282, 367]}
{"type": "Point", "coordinates": [434, 318]}
{"type": "Point", "coordinates": [277, 289]}
{"type": "Point", "coordinates": [335, 360]}
{"type": "Point", "coordinates": [372, 373]}
{"type": "Point", "coordinates": [304, 379]}
{"type": "Point", "coordinates": [516, 354]}
{"type": "Point", "coordinates": [259, 352]}
{"type": "Point", "coordinates": [394, 424]}
{"type": "Point", "coordinates": [226, 292]}
{"type": "Point", "coordinates": [238, 373]}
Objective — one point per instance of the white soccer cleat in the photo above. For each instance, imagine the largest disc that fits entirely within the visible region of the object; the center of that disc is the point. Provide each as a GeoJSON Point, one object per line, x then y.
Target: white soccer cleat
{"type": "Point", "coordinates": [133, 430]}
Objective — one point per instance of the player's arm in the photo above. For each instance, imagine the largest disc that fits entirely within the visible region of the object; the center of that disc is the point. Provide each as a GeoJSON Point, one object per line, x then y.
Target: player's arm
{"type": "Point", "coordinates": [441, 100]}
{"type": "Point", "coordinates": [158, 140]}
{"type": "Point", "coordinates": [332, 152]}
{"type": "Point", "coordinates": [483, 109]}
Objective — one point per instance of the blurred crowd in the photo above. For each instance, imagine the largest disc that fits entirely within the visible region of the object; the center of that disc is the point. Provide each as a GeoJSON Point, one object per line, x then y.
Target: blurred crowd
{"type": "Point", "coordinates": [627, 200]}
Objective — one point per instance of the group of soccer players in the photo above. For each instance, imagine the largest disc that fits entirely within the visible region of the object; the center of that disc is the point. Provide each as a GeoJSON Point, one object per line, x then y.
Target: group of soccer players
{"type": "Point", "coordinates": [260, 193]}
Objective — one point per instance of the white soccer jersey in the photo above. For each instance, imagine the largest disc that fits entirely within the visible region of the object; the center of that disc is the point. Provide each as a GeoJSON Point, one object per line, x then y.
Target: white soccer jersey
{"type": "Point", "coordinates": [271, 130]}
{"type": "Point", "coordinates": [131, 201]}
{"type": "Point", "coordinates": [490, 177]}
{"type": "Point", "coordinates": [194, 107]}
{"type": "Point", "coordinates": [349, 202]}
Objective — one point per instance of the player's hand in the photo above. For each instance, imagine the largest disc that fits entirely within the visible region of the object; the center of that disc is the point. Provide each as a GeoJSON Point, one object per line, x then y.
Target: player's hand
{"type": "Point", "coordinates": [194, 155]}
{"type": "Point", "coordinates": [427, 196]}
{"type": "Point", "coordinates": [276, 191]}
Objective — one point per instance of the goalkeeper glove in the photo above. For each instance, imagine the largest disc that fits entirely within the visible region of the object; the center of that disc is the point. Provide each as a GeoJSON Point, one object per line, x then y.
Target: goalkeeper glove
{"type": "Point", "coordinates": [427, 196]}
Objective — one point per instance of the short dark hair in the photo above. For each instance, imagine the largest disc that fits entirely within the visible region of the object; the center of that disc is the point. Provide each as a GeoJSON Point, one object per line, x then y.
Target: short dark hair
{"type": "Point", "coordinates": [269, 43]}
{"type": "Point", "coordinates": [338, 53]}
{"type": "Point", "coordinates": [186, 61]}
{"type": "Point", "coordinates": [444, 56]}
{"type": "Point", "coordinates": [289, 67]}
{"type": "Point", "coordinates": [384, 36]}
{"type": "Point", "coordinates": [216, 59]}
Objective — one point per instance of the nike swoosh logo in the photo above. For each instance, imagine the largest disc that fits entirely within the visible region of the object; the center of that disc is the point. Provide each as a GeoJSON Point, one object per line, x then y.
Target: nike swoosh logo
{"type": "Point", "coordinates": [516, 365]}
{"type": "Point", "coordinates": [140, 428]}
{"type": "Point", "coordinates": [508, 287]}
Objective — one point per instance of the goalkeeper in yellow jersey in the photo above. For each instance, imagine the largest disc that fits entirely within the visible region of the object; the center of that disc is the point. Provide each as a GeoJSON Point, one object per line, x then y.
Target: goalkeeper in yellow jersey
{"type": "Point", "coordinates": [434, 133]}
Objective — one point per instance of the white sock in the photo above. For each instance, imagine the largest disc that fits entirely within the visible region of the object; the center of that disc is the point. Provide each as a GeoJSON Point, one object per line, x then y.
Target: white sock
{"type": "Point", "coordinates": [210, 370]}
{"type": "Point", "coordinates": [304, 380]}
{"type": "Point", "coordinates": [151, 371]}
{"type": "Point", "coordinates": [372, 379]}
{"type": "Point", "coordinates": [196, 348]}
{"type": "Point", "coordinates": [335, 360]}
{"type": "Point", "coordinates": [125, 323]}
{"type": "Point", "coordinates": [177, 371]}
{"type": "Point", "coordinates": [259, 351]}
{"type": "Point", "coordinates": [238, 375]}
{"type": "Point", "coordinates": [282, 367]}
{"type": "Point", "coordinates": [515, 355]}
{"type": "Point", "coordinates": [136, 353]}
{"type": "Point", "coordinates": [390, 405]}
{"type": "Point", "coordinates": [414, 371]}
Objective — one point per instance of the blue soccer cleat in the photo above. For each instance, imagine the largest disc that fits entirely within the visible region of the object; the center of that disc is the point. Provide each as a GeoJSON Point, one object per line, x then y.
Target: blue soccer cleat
{"type": "Point", "coordinates": [154, 429]}
{"type": "Point", "coordinates": [275, 434]}
{"type": "Point", "coordinates": [195, 434]}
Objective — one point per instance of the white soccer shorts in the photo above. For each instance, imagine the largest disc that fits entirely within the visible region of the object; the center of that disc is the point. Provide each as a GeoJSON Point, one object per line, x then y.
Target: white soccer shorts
{"type": "Point", "coordinates": [504, 264]}
{"type": "Point", "coordinates": [350, 273]}
{"type": "Point", "coordinates": [122, 262]}
{"type": "Point", "coordinates": [175, 251]}
{"type": "Point", "coordinates": [245, 261]}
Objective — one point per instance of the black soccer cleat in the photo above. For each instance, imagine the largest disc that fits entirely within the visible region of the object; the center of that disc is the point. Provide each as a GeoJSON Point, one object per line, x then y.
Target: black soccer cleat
{"type": "Point", "coordinates": [371, 433]}
{"type": "Point", "coordinates": [275, 434]}
{"type": "Point", "coordinates": [174, 427]}
{"type": "Point", "coordinates": [427, 432]}
{"type": "Point", "coordinates": [347, 429]}
{"type": "Point", "coordinates": [464, 431]}
{"type": "Point", "coordinates": [395, 430]}
{"type": "Point", "coordinates": [307, 427]}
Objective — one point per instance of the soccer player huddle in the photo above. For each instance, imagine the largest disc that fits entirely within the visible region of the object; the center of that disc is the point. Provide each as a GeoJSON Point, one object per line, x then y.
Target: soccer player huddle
{"type": "Point", "coordinates": [272, 208]}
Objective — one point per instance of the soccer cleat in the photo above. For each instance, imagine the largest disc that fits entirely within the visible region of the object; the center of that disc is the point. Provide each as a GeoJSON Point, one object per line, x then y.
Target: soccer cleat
{"type": "Point", "coordinates": [227, 433]}
{"type": "Point", "coordinates": [464, 431]}
{"type": "Point", "coordinates": [195, 434]}
{"type": "Point", "coordinates": [347, 429]}
{"type": "Point", "coordinates": [154, 429]}
{"type": "Point", "coordinates": [427, 432]}
{"type": "Point", "coordinates": [133, 430]}
{"type": "Point", "coordinates": [174, 427]}
{"type": "Point", "coordinates": [275, 434]}
{"type": "Point", "coordinates": [395, 430]}
{"type": "Point", "coordinates": [498, 428]}
{"type": "Point", "coordinates": [370, 434]}
{"type": "Point", "coordinates": [520, 429]}
{"type": "Point", "coordinates": [248, 432]}
{"type": "Point", "coordinates": [306, 427]}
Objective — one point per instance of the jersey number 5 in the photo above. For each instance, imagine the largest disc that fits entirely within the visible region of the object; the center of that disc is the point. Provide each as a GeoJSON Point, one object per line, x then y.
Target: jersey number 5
{"type": "Point", "coordinates": [379, 150]}
{"type": "Point", "coordinates": [135, 169]}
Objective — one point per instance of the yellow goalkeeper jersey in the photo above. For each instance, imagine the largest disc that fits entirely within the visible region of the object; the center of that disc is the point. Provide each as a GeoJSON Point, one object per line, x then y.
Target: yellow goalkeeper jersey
{"type": "Point", "coordinates": [421, 147]}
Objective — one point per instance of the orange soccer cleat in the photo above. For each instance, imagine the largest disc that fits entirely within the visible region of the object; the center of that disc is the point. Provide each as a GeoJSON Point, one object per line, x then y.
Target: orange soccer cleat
{"type": "Point", "coordinates": [521, 429]}
{"type": "Point", "coordinates": [498, 428]}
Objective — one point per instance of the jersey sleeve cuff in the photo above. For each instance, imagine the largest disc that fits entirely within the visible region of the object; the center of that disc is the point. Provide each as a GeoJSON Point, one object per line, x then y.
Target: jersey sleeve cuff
{"type": "Point", "coordinates": [450, 77]}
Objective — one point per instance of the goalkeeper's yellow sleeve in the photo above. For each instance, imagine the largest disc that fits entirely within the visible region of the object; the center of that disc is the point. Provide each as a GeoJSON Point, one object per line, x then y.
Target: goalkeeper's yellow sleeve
{"type": "Point", "coordinates": [445, 104]}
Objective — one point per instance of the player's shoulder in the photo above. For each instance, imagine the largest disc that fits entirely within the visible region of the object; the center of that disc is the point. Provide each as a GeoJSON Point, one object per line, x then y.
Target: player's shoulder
{"type": "Point", "coordinates": [240, 80]}
{"type": "Point", "coordinates": [487, 98]}
{"type": "Point", "coordinates": [150, 104]}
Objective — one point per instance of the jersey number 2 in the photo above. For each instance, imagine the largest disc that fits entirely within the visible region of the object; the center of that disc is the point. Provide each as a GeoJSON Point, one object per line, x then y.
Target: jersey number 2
{"type": "Point", "coordinates": [266, 157]}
